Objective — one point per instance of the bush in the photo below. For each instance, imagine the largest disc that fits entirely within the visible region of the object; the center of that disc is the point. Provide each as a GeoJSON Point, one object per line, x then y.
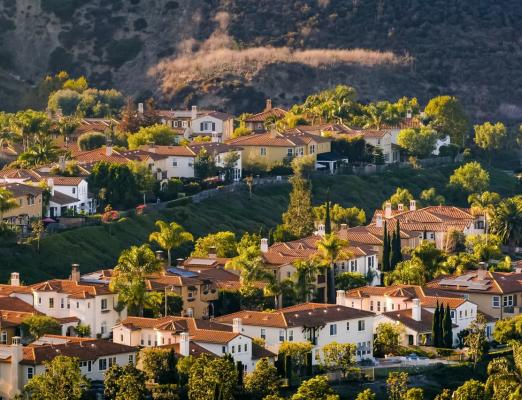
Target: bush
{"type": "Point", "coordinates": [192, 188]}
{"type": "Point", "coordinates": [118, 52]}
{"type": "Point", "coordinates": [169, 190]}
{"type": "Point", "coordinates": [179, 202]}
{"type": "Point", "coordinates": [67, 100]}
{"type": "Point", "coordinates": [91, 141]}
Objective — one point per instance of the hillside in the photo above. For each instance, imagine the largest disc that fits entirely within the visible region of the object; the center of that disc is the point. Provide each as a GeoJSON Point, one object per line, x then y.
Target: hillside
{"type": "Point", "coordinates": [94, 248]}
{"type": "Point", "coordinates": [416, 48]}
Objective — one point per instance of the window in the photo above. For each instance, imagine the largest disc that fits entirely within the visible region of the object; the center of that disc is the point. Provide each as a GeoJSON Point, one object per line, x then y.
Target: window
{"type": "Point", "coordinates": [30, 372]}
{"type": "Point", "coordinates": [62, 303]}
{"type": "Point", "coordinates": [393, 306]}
{"type": "Point", "coordinates": [290, 152]}
{"type": "Point", "coordinates": [370, 262]}
{"type": "Point", "coordinates": [89, 304]}
{"type": "Point", "coordinates": [361, 325]}
{"type": "Point", "coordinates": [112, 361]}
{"type": "Point", "coordinates": [207, 126]}
{"type": "Point", "coordinates": [378, 306]}
{"type": "Point", "coordinates": [353, 266]}
{"type": "Point", "coordinates": [281, 335]}
{"type": "Point", "coordinates": [333, 329]}
{"type": "Point", "coordinates": [496, 301]}
{"type": "Point", "coordinates": [87, 365]}
{"type": "Point", "coordinates": [39, 300]}
{"type": "Point", "coordinates": [223, 349]}
{"type": "Point", "coordinates": [290, 335]}
{"type": "Point", "coordinates": [371, 305]}
{"type": "Point", "coordinates": [348, 326]}
{"type": "Point", "coordinates": [452, 314]}
{"type": "Point", "coordinates": [68, 304]}
{"type": "Point", "coordinates": [30, 200]}
{"type": "Point", "coordinates": [74, 190]}
{"type": "Point", "coordinates": [246, 347]}
{"type": "Point", "coordinates": [507, 301]}
{"type": "Point", "coordinates": [102, 364]}
{"type": "Point", "coordinates": [103, 328]}
{"type": "Point", "coordinates": [312, 149]}
{"type": "Point", "coordinates": [262, 151]}
{"type": "Point", "coordinates": [184, 124]}
{"type": "Point", "coordinates": [3, 337]}
{"type": "Point", "coordinates": [190, 312]}
{"type": "Point", "coordinates": [131, 359]}
{"type": "Point", "coordinates": [263, 333]}
{"type": "Point", "coordinates": [174, 162]}
{"type": "Point", "coordinates": [103, 304]}
{"type": "Point", "coordinates": [51, 302]}
{"type": "Point", "coordinates": [479, 224]}
{"type": "Point", "coordinates": [121, 338]}
{"type": "Point", "coordinates": [233, 349]}
{"type": "Point", "coordinates": [77, 304]}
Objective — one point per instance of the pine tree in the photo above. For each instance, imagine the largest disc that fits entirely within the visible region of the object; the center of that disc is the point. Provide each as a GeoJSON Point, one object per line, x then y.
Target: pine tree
{"type": "Point", "coordinates": [435, 339]}
{"type": "Point", "coordinates": [447, 332]}
{"type": "Point", "coordinates": [298, 219]}
{"type": "Point", "coordinates": [385, 249]}
{"type": "Point", "coordinates": [327, 219]}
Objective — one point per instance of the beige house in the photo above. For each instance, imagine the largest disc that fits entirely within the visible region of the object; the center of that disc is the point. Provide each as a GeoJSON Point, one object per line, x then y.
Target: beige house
{"type": "Point", "coordinates": [256, 122]}
{"type": "Point", "coordinates": [30, 204]}
{"type": "Point", "coordinates": [497, 294]}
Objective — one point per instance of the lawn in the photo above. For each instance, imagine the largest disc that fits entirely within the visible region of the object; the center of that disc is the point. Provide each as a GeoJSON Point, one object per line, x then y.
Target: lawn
{"type": "Point", "coordinates": [94, 248]}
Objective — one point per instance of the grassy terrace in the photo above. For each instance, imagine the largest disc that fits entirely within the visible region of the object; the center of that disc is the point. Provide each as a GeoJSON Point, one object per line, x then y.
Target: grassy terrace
{"type": "Point", "coordinates": [93, 248]}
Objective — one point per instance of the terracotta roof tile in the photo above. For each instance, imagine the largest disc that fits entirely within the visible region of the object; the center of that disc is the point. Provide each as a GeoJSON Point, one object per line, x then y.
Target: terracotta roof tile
{"type": "Point", "coordinates": [262, 116]}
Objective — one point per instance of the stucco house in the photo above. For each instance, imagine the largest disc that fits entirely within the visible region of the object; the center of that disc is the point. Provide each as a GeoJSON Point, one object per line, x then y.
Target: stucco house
{"type": "Point", "coordinates": [256, 122]}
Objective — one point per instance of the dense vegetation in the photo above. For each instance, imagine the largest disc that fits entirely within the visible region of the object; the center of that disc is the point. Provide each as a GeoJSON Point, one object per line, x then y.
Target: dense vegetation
{"type": "Point", "coordinates": [96, 247]}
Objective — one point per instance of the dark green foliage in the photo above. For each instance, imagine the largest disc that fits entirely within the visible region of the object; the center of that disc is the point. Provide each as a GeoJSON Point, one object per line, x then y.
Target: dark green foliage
{"type": "Point", "coordinates": [396, 250]}
{"type": "Point", "coordinates": [309, 366]}
{"type": "Point", "coordinates": [288, 367]}
{"type": "Point", "coordinates": [447, 330]}
{"type": "Point", "coordinates": [386, 249]}
{"type": "Point", "coordinates": [91, 141]}
{"type": "Point", "coordinates": [327, 219]}
{"type": "Point", "coordinates": [120, 51]}
{"type": "Point", "coordinates": [63, 9]}
{"type": "Point", "coordinates": [240, 371]}
{"type": "Point", "coordinates": [355, 149]}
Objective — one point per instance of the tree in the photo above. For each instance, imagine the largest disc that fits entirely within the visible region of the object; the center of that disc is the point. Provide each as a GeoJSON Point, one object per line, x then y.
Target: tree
{"type": "Point", "coordinates": [43, 151]}
{"type": "Point", "coordinates": [128, 279]}
{"type": "Point", "coordinates": [397, 385]}
{"type": "Point", "coordinates": [82, 330]}
{"type": "Point", "coordinates": [444, 395]}
{"type": "Point", "coordinates": [38, 325]}
{"type": "Point", "coordinates": [455, 241]}
{"type": "Point", "coordinates": [229, 164]}
{"type": "Point", "coordinates": [129, 117]}
{"type": "Point", "coordinates": [471, 178]}
{"type": "Point", "coordinates": [62, 379]}
{"type": "Point", "coordinates": [351, 216]}
{"type": "Point", "coordinates": [250, 265]}
{"type": "Point", "coordinates": [435, 325]}
{"type": "Point", "coordinates": [170, 236]}
{"type": "Point", "coordinates": [304, 279]}
{"type": "Point", "coordinates": [331, 250]}
{"type": "Point", "coordinates": [431, 259]}
{"type": "Point", "coordinates": [430, 197]}
{"type": "Point", "coordinates": [401, 196]}
{"type": "Point", "coordinates": [160, 365]}
{"type": "Point", "coordinates": [37, 230]}
{"type": "Point", "coordinates": [223, 243]}
{"type": "Point", "coordinates": [7, 202]}
{"type": "Point", "coordinates": [491, 138]}
{"type": "Point", "coordinates": [125, 383]}
{"type": "Point", "coordinates": [448, 118]}
{"type": "Point", "coordinates": [506, 220]}
{"type": "Point", "coordinates": [66, 100]}
{"type": "Point", "coordinates": [91, 141]}
{"type": "Point", "coordinates": [159, 134]}
{"type": "Point", "coordinates": [366, 394]}
{"type": "Point", "coordinates": [409, 272]}
{"type": "Point", "coordinates": [396, 249]}
{"type": "Point", "coordinates": [241, 131]}
{"type": "Point", "coordinates": [316, 388]}
{"type": "Point", "coordinates": [484, 247]}
{"type": "Point", "coordinates": [418, 142]}
{"type": "Point", "coordinates": [263, 381]}
{"type": "Point", "coordinates": [339, 357]}
{"type": "Point", "coordinates": [508, 329]}
{"type": "Point", "coordinates": [297, 352]}
{"type": "Point", "coordinates": [387, 338]}
{"type": "Point", "coordinates": [386, 249]}
{"type": "Point", "coordinates": [476, 340]}
{"type": "Point", "coordinates": [327, 216]}
{"type": "Point", "coordinates": [303, 166]}
{"type": "Point", "coordinates": [117, 182]}
{"type": "Point", "coordinates": [204, 165]}
{"type": "Point", "coordinates": [505, 378]}
{"type": "Point", "coordinates": [413, 394]}
{"type": "Point", "coordinates": [350, 280]}
{"type": "Point", "coordinates": [447, 329]}
{"type": "Point", "coordinates": [298, 219]}
{"type": "Point", "coordinates": [470, 390]}
{"type": "Point", "coordinates": [212, 378]}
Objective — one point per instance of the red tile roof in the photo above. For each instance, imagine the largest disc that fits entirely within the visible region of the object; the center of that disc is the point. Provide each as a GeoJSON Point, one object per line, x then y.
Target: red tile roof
{"type": "Point", "coordinates": [73, 289]}
{"type": "Point", "coordinates": [262, 116]}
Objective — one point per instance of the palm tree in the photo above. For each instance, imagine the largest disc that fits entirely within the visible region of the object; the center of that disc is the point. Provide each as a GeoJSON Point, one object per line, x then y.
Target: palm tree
{"type": "Point", "coordinates": [170, 236]}
{"type": "Point", "coordinates": [66, 127]}
{"type": "Point", "coordinates": [128, 279]}
{"type": "Point", "coordinates": [304, 277]}
{"type": "Point", "coordinates": [7, 202]}
{"type": "Point", "coordinates": [250, 265]}
{"type": "Point", "coordinates": [43, 152]}
{"type": "Point", "coordinates": [484, 204]}
{"type": "Point", "coordinates": [507, 220]}
{"type": "Point", "coordinates": [330, 250]}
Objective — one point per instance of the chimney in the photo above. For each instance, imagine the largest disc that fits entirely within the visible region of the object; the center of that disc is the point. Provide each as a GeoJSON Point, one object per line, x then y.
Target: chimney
{"type": "Point", "coordinates": [15, 279]}
{"type": "Point", "coordinates": [400, 207]}
{"type": "Point", "coordinates": [194, 112]}
{"type": "Point", "coordinates": [237, 325]}
{"type": "Point", "coordinates": [212, 252]}
{"type": "Point", "coordinates": [413, 205]}
{"type": "Point", "coordinates": [388, 210]}
{"type": "Point", "coordinates": [50, 183]}
{"type": "Point", "coordinates": [344, 227]}
{"type": "Point", "coordinates": [75, 273]}
{"type": "Point", "coordinates": [140, 108]}
{"type": "Point", "coordinates": [214, 137]}
{"type": "Point", "coordinates": [321, 230]}
{"type": "Point", "coordinates": [416, 310]}
{"type": "Point", "coordinates": [409, 113]}
{"type": "Point", "coordinates": [339, 299]}
{"type": "Point", "coordinates": [61, 163]}
{"type": "Point", "coordinates": [378, 221]}
{"type": "Point", "coordinates": [184, 344]}
{"type": "Point", "coordinates": [482, 271]}
{"type": "Point", "coordinates": [108, 148]}
{"type": "Point", "coordinates": [16, 351]}
{"type": "Point", "coordinates": [264, 245]}
{"type": "Point", "coordinates": [268, 105]}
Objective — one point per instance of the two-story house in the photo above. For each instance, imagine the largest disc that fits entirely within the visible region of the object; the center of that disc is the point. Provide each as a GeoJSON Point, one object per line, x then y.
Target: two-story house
{"type": "Point", "coordinates": [29, 204]}
{"type": "Point", "coordinates": [170, 161]}
{"type": "Point", "coordinates": [19, 364]}
{"type": "Point", "coordinates": [256, 122]}
{"type": "Point", "coordinates": [319, 324]}
{"type": "Point", "coordinates": [398, 298]}
{"type": "Point", "coordinates": [69, 195]}
{"type": "Point", "coordinates": [183, 333]}
{"type": "Point", "coordinates": [221, 153]}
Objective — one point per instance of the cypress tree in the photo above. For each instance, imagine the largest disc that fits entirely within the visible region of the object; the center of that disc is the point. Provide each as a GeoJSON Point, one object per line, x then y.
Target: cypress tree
{"type": "Point", "coordinates": [385, 249]}
{"type": "Point", "coordinates": [398, 249]}
{"type": "Point", "coordinates": [435, 327]}
{"type": "Point", "coordinates": [447, 329]}
{"type": "Point", "coordinates": [327, 219]}
{"type": "Point", "coordinates": [240, 371]}
{"type": "Point", "coordinates": [288, 367]}
{"type": "Point", "coordinates": [441, 325]}
{"type": "Point", "coordinates": [393, 251]}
